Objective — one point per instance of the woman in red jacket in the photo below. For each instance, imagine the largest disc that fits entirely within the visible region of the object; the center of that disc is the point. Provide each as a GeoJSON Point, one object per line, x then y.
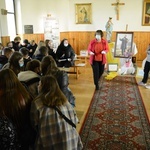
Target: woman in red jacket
{"type": "Point", "coordinates": [97, 49]}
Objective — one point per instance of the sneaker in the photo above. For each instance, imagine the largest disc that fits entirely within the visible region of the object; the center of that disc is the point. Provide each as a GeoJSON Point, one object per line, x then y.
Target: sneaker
{"type": "Point", "coordinates": [141, 83]}
{"type": "Point", "coordinates": [147, 86]}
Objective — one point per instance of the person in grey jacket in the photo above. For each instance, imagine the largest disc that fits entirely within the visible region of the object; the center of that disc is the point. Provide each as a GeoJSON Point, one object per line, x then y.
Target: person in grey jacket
{"type": "Point", "coordinates": [31, 77]}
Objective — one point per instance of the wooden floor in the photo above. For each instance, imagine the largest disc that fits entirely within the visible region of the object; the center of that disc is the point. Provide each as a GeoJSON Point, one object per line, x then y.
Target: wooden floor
{"type": "Point", "coordinates": [83, 89]}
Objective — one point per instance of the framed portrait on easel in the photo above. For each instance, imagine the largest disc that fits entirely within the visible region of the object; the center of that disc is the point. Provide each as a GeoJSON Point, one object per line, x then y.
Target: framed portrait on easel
{"type": "Point", "coordinates": [123, 45]}
{"type": "Point", "coordinates": [83, 13]}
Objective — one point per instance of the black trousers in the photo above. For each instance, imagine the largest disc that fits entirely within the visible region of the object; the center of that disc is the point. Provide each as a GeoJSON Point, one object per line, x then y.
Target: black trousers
{"type": "Point", "coordinates": [98, 70]}
{"type": "Point", "coordinates": [146, 72]}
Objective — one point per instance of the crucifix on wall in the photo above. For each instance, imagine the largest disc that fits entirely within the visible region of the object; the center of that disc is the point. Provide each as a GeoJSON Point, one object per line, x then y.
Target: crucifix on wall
{"type": "Point", "coordinates": [117, 4]}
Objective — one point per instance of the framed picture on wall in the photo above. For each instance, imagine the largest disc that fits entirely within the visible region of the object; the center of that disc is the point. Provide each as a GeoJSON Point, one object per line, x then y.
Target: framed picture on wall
{"type": "Point", "coordinates": [123, 45]}
{"type": "Point", "coordinates": [83, 13]}
{"type": "Point", "coordinates": [146, 13]}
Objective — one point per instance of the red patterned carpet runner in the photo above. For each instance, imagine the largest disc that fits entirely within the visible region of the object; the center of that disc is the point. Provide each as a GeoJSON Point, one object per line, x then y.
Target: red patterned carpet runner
{"type": "Point", "coordinates": [116, 119]}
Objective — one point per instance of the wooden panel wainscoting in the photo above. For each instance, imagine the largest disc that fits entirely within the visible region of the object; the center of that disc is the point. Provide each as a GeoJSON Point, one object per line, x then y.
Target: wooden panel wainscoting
{"type": "Point", "coordinates": [36, 37]}
{"type": "Point", "coordinates": [80, 40]}
{"type": "Point", "coordinates": [142, 40]}
{"type": "Point", "coordinates": [5, 40]}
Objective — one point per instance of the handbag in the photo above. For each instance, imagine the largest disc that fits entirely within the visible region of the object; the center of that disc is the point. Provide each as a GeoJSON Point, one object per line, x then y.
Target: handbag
{"type": "Point", "coordinates": [64, 117]}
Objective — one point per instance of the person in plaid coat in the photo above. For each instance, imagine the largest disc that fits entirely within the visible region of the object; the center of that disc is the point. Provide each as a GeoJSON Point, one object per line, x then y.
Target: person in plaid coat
{"type": "Point", "coordinates": [53, 132]}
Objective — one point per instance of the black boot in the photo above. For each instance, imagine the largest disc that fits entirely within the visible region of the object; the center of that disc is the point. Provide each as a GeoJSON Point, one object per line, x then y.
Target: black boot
{"type": "Point", "coordinates": [97, 87]}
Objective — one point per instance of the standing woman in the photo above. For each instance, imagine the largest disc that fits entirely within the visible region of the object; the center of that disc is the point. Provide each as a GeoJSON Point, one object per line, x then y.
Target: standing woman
{"type": "Point", "coordinates": [53, 131]}
{"type": "Point", "coordinates": [15, 129]}
{"type": "Point", "coordinates": [97, 49]}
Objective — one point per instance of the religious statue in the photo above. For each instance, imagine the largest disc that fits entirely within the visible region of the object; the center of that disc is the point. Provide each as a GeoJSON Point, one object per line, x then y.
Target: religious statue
{"type": "Point", "coordinates": [109, 28]}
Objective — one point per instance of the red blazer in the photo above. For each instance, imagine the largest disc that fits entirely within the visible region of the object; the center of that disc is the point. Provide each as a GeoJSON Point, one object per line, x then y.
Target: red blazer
{"type": "Point", "coordinates": [92, 46]}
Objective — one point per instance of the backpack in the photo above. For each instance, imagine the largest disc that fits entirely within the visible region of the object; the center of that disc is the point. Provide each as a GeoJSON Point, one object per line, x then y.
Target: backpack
{"type": "Point", "coordinates": [28, 83]}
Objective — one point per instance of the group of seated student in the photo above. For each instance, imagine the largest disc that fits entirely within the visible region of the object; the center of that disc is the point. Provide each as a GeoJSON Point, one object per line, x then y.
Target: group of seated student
{"type": "Point", "coordinates": [33, 96]}
{"type": "Point", "coordinates": [64, 55]}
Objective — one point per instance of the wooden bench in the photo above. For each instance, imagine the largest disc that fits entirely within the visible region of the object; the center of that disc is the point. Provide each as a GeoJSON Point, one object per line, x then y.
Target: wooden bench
{"type": "Point", "coordinates": [84, 59]}
{"type": "Point", "coordinates": [74, 69]}
{"type": "Point", "coordinates": [80, 61]}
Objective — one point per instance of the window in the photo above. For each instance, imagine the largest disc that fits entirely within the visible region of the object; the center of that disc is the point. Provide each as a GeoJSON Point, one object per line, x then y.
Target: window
{"type": "Point", "coordinates": [11, 18]}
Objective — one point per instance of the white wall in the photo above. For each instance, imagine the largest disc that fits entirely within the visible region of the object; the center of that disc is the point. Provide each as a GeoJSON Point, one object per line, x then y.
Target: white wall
{"type": "Point", "coordinates": [32, 12]}
{"type": "Point", "coordinates": [3, 20]}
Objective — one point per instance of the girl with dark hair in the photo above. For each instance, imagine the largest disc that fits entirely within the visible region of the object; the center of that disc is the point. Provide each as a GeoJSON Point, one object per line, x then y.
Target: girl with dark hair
{"type": "Point", "coordinates": [53, 131]}
{"type": "Point", "coordinates": [26, 58]}
{"type": "Point", "coordinates": [15, 62]}
{"type": "Point", "coordinates": [16, 43]}
{"type": "Point", "coordinates": [15, 129]}
{"type": "Point", "coordinates": [65, 54]}
{"type": "Point", "coordinates": [97, 49]}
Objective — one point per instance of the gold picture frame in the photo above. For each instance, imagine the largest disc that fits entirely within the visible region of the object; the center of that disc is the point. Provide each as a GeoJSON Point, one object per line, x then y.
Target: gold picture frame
{"type": "Point", "coordinates": [83, 13]}
{"type": "Point", "coordinates": [146, 13]}
{"type": "Point", "coordinates": [123, 45]}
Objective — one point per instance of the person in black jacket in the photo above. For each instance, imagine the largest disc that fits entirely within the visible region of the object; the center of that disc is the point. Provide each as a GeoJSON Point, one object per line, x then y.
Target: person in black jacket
{"type": "Point", "coordinates": [65, 54]}
{"type": "Point", "coordinates": [26, 58]}
{"type": "Point", "coordinates": [16, 43]}
{"type": "Point", "coordinates": [25, 43]}
{"type": "Point", "coordinates": [32, 47]}
{"type": "Point", "coordinates": [49, 67]}
{"type": "Point", "coordinates": [4, 58]}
